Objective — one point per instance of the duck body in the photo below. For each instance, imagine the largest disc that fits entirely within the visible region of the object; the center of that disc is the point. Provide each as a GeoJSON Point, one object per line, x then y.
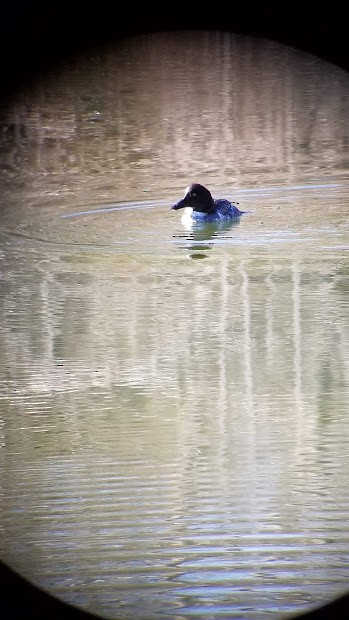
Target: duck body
{"type": "Point", "coordinates": [200, 207]}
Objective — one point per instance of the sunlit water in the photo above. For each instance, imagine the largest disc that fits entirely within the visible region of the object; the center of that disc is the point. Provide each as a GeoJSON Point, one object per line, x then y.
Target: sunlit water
{"type": "Point", "coordinates": [174, 404]}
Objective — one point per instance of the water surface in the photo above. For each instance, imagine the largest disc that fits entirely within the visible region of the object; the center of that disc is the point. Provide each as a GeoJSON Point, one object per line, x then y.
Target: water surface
{"type": "Point", "coordinates": [174, 404]}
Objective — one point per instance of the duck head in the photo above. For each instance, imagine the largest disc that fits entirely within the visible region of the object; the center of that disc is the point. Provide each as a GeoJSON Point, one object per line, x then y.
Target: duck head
{"type": "Point", "coordinates": [196, 197]}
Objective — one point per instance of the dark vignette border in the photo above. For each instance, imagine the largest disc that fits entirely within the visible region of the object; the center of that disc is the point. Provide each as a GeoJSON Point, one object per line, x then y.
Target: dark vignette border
{"type": "Point", "coordinates": [36, 36]}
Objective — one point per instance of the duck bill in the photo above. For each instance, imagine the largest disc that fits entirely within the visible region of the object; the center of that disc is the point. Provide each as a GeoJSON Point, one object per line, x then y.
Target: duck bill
{"type": "Point", "coordinates": [179, 205]}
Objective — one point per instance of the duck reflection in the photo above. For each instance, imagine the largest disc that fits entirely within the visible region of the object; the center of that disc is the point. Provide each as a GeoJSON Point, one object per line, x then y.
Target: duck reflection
{"type": "Point", "coordinates": [201, 237]}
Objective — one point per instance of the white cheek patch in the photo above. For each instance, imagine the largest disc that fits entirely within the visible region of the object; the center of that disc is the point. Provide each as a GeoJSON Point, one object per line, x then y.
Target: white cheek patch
{"type": "Point", "coordinates": [187, 212]}
{"type": "Point", "coordinates": [186, 217]}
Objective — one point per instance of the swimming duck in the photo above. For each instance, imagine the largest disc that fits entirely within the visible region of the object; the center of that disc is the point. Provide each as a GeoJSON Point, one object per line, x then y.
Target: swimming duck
{"type": "Point", "coordinates": [201, 207]}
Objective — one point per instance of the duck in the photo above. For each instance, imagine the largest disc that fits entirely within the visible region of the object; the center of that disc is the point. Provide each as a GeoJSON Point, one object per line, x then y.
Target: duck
{"type": "Point", "coordinates": [200, 207]}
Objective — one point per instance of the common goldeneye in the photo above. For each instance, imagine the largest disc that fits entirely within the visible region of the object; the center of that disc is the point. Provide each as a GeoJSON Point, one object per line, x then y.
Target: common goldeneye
{"type": "Point", "coordinates": [201, 207]}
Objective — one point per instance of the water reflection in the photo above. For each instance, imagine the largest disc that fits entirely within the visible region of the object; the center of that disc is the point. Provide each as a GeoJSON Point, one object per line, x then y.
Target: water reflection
{"type": "Point", "coordinates": [200, 236]}
{"type": "Point", "coordinates": [191, 456]}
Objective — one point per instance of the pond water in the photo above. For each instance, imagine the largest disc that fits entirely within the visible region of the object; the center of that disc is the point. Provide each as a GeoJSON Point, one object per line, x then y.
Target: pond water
{"type": "Point", "coordinates": [174, 414]}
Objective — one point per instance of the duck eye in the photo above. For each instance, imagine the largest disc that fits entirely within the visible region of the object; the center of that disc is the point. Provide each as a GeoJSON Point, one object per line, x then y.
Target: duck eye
{"type": "Point", "coordinates": [193, 194]}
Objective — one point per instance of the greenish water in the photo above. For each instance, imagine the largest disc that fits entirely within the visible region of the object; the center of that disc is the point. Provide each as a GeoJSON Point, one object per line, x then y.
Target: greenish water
{"type": "Point", "coordinates": [174, 404]}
